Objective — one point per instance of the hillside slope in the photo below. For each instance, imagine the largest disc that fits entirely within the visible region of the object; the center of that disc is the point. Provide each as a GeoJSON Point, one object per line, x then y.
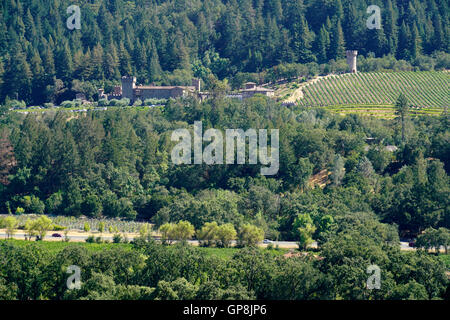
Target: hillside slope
{"type": "Point", "coordinates": [423, 89]}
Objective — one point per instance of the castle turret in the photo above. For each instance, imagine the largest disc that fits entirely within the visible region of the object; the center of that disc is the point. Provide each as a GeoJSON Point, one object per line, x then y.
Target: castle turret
{"type": "Point", "coordinates": [351, 60]}
{"type": "Point", "coordinates": [196, 84]}
{"type": "Point", "coordinates": [128, 85]}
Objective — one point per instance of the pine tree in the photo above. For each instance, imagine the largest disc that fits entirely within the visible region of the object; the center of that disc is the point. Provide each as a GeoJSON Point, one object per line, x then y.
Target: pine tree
{"type": "Point", "coordinates": [390, 28]}
{"type": "Point", "coordinates": [337, 42]}
{"type": "Point", "coordinates": [302, 40]}
{"type": "Point", "coordinates": [154, 68]}
{"type": "Point", "coordinates": [352, 26]}
{"type": "Point", "coordinates": [87, 67]}
{"type": "Point", "coordinates": [338, 9]}
{"type": "Point", "coordinates": [30, 29]}
{"type": "Point", "coordinates": [404, 39]}
{"type": "Point", "coordinates": [285, 52]}
{"type": "Point", "coordinates": [64, 65]}
{"type": "Point", "coordinates": [439, 35]}
{"type": "Point", "coordinates": [97, 62]}
{"type": "Point", "coordinates": [124, 61]}
{"type": "Point", "coordinates": [49, 62]}
{"type": "Point", "coordinates": [19, 76]}
{"type": "Point", "coordinates": [140, 57]}
{"type": "Point", "coordinates": [322, 44]}
{"type": "Point", "coordinates": [376, 42]}
{"type": "Point", "coordinates": [111, 63]}
{"type": "Point", "coordinates": [415, 43]}
{"type": "Point", "coordinates": [38, 83]}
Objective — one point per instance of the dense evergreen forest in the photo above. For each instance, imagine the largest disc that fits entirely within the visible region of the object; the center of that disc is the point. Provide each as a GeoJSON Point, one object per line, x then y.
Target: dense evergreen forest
{"type": "Point", "coordinates": [41, 60]}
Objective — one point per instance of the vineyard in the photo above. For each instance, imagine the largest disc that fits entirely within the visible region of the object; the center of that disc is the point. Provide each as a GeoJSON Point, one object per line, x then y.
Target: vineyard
{"type": "Point", "coordinates": [427, 92]}
{"type": "Point", "coordinates": [72, 223]}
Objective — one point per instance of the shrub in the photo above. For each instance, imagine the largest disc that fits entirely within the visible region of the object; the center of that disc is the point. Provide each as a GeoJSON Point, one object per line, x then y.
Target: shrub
{"type": "Point", "coordinates": [57, 227]}
{"type": "Point", "coordinates": [103, 103]}
{"type": "Point", "coordinates": [15, 104]}
{"type": "Point", "coordinates": [90, 239]}
{"type": "Point", "coordinates": [68, 104]}
{"type": "Point", "coordinates": [117, 238]}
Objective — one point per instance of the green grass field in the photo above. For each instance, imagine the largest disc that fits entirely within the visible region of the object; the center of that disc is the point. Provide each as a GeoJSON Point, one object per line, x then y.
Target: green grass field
{"type": "Point", "coordinates": [382, 111]}
{"type": "Point", "coordinates": [56, 246]}
{"type": "Point", "coordinates": [427, 92]}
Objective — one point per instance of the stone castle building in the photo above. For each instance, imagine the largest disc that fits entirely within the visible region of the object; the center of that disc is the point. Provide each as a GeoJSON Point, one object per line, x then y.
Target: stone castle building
{"type": "Point", "coordinates": [130, 90]}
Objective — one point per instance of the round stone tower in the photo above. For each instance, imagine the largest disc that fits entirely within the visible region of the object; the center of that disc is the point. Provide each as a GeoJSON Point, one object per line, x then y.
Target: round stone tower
{"type": "Point", "coordinates": [351, 60]}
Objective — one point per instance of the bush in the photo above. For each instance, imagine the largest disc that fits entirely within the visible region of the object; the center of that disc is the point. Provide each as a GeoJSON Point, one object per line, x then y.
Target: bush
{"type": "Point", "coordinates": [68, 104]}
{"type": "Point", "coordinates": [119, 103]}
{"type": "Point", "coordinates": [103, 103]}
{"type": "Point", "coordinates": [15, 104]}
{"type": "Point", "coordinates": [117, 238]}
{"type": "Point", "coordinates": [90, 239]}
{"type": "Point", "coordinates": [58, 228]}
{"type": "Point", "coordinates": [154, 102]}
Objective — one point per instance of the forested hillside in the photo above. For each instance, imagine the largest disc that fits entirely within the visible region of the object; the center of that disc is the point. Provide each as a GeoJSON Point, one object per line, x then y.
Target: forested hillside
{"type": "Point", "coordinates": [41, 60]}
{"type": "Point", "coordinates": [116, 163]}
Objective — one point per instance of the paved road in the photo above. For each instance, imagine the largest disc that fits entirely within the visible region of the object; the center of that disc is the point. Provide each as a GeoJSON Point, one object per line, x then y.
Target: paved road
{"type": "Point", "coordinates": [82, 238]}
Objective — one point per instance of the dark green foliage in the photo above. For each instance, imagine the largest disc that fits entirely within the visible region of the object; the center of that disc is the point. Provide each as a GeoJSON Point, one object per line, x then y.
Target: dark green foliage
{"type": "Point", "coordinates": [166, 42]}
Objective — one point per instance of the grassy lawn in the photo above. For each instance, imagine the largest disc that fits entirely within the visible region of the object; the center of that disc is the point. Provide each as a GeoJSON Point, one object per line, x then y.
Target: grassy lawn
{"type": "Point", "coordinates": [56, 246]}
